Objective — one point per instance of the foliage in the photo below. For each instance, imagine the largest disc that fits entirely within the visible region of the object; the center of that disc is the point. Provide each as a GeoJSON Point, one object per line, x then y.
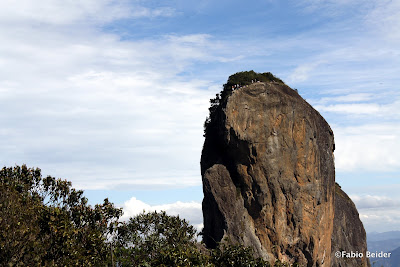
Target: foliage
{"type": "Point", "coordinates": [157, 239]}
{"type": "Point", "coordinates": [19, 228]}
{"type": "Point", "coordinates": [240, 78]}
{"type": "Point", "coordinates": [246, 77]}
{"type": "Point", "coordinates": [44, 221]}
{"type": "Point", "coordinates": [235, 255]}
{"type": "Point", "coordinates": [215, 103]}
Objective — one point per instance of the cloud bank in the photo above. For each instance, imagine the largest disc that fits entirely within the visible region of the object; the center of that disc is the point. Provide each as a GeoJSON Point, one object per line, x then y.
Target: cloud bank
{"type": "Point", "coordinates": [191, 211]}
{"type": "Point", "coordinates": [378, 213]}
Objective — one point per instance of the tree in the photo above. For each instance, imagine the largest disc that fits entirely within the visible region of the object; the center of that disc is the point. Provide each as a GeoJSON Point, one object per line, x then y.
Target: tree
{"type": "Point", "coordinates": [235, 255]}
{"type": "Point", "coordinates": [44, 221]}
{"type": "Point", "coordinates": [246, 77]}
{"type": "Point", "coordinates": [19, 228]}
{"type": "Point", "coordinates": [157, 239]}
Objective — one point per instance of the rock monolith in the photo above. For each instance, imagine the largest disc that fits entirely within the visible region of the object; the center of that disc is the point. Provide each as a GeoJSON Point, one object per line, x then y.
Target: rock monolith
{"type": "Point", "coordinates": [268, 174]}
{"type": "Point", "coordinates": [348, 233]}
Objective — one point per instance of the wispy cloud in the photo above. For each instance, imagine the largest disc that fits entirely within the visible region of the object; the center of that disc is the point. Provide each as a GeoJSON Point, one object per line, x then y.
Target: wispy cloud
{"type": "Point", "coordinates": [365, 109]}
{"type": "Point", "coordinates": [71, 12]}
{"type": "Point", "coordinates": [302, 72]}
{"type": "Point", "coordinates": [330, 8]}
{"type": "Point", "coordinates": [357, 97]}
{"type": "Point", "coordinates": [388, 110]}
{"type": "Point", "coordinates": [384, 19]}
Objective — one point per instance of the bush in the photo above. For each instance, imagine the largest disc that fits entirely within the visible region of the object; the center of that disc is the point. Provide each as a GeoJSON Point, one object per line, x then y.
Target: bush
{"type": "Point", "coordinates": [246, 77]}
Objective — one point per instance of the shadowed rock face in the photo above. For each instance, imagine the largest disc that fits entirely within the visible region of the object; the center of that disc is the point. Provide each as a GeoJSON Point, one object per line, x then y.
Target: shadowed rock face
{"type": "Point", "coordinates": [348, 232]}
{"type": "Point", "coordinates": [268, 176]}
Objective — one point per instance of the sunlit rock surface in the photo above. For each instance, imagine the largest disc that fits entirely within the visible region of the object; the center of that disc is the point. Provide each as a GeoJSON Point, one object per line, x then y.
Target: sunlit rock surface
{"type": "Point", "coordinates": [268, 175]}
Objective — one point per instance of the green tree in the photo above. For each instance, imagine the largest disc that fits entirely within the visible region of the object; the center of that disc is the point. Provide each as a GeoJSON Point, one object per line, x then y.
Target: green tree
{"type": "Point", "coordinates": [246, 77]}
{"type": "Point", "coordinates": [235, 255]}
{"type": "Point", "coordinates": [44, 221]}
{"type": "Point", "coordinates": [19, 228]}
{"type": "Point", "coordinates": [157, 239]}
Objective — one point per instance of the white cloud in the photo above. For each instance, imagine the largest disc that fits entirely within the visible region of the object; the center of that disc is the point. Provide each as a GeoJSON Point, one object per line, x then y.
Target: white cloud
{"type": "Point", "coordinates": [368, 147]}
{"type": "Point", "coordinates": [364, 108]}
{"type": "Point", "coordinates": [370, 201]}
{"type": "Point", "coordinates": [69, 12]}
{"type": "Point", "coordinates": [380, 219]}
{"type": "Point", "coordinates": [99, 111]}
{"type": "Point", "coordinates": [157, 12]}
{"type": "Point", "coordinates": [330, 8]}
{"type": "Point", "coordinates": [373, 141]}
{"type": "Point", "coordinates": [105, 112]}
{"type": "Point", "coordinates": [387, 110]}
{"type": "Point", "coordinates": [355, 97]}
{"type": "Point", "coordinates": [384, 19]}
{"type": "Point", "coordinates": [191, 211]}
{"type": "Point", "coordinates": [303, 72]}
{"type": "Point", "coordinates": [355, 50]}
{"type": "Point", "coordinates": [378, 213]}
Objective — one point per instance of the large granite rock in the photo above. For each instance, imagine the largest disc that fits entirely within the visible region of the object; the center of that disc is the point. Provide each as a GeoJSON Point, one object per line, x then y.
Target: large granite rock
{"type": "Point", "coordinates": [348, 232]}
{"type": "Point", "coordinates": [268, 175]}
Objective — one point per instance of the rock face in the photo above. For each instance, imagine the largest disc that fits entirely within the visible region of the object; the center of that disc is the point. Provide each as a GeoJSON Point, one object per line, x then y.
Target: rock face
{"type": "Point", "coordinates": [348, 232]}
{"type": "Point", "coordinates": [268, 176]}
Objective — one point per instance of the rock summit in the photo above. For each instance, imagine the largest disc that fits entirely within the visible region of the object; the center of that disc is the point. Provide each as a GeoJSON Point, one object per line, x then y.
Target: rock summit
{"type": "Point", "coordinates": [268, 176]}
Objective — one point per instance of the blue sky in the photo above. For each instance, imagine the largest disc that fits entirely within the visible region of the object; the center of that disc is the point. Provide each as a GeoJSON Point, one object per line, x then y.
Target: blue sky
{"type": "Point", "coordinates": [112, 95]}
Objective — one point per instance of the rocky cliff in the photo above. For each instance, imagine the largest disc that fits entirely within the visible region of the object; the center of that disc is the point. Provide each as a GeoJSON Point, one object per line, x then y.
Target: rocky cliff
{"type": "Point", "coordinates": [268, 174]}
{"type": "Point", "coordinates": [348, 232]}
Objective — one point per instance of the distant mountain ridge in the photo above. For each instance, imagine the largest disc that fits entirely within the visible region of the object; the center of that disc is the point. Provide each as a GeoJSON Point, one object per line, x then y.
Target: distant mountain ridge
{"type": "Point", "coordinates": [375, 236]}
{"type": "Point", "coordinates": [384, 245]}
{"type": "Point", "coordinates": [392, 261]}
{"type": "Point", "coordinates": [387, 242]}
